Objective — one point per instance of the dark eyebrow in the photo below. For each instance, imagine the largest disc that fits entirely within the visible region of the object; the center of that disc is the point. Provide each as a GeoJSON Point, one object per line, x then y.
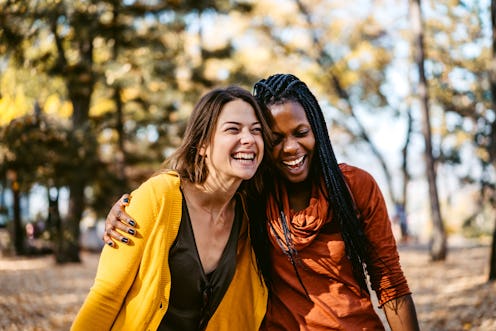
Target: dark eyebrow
{"type": "Point", "coordinates": [238, 123]}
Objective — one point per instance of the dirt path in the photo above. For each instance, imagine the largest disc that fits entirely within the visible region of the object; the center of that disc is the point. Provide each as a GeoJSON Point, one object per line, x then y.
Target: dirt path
{"type": "Point", "coordinates": [37, 295]}
{"type": "Point", "coordinates": [452, 295]}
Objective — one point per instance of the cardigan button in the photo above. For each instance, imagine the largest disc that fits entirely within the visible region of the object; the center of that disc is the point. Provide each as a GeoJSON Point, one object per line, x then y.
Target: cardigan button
{"type": "Point", "coordinates": [161, 305]}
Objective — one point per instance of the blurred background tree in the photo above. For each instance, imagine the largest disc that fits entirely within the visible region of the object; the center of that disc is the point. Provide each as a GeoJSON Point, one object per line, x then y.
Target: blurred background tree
{"type": "Point", "coordinates": [122, 76]}
{"type": "Point", "coordinates": [110, 58]}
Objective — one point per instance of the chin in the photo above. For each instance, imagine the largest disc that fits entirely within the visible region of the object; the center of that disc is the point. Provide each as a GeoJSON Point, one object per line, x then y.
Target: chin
{"type": "Point", "coordinates": [247, 176]}
{"type": "Point", "coordinates": [295, 178]}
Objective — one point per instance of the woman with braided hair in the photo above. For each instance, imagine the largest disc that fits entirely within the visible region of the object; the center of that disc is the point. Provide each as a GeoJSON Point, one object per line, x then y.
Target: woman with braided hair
{"type": "Point", "coordinates": [328, 227]}
{"type": "Point", "coordinates": [325, 225]}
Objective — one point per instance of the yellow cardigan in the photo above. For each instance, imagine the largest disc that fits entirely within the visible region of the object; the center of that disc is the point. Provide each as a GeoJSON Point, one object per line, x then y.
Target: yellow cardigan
{"type": "Point", "coordinates": [132, 284]}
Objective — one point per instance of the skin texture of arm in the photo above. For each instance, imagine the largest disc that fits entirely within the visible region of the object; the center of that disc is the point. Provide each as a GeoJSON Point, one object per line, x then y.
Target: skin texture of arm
{"type": "Point", "coordinates": [401, 314]}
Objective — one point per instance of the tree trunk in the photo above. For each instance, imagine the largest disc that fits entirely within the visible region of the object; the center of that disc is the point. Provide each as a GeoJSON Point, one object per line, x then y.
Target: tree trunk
{"type": "Point", "coordinates": [438, 249]}
{"type": "Point", "coordinates": [119, 126]}
{"type": "Point", "coordinates": [80, 95]}
{"type": "Point", "coordinates": [405, 233]}
{"type": "Point", "coordinates": [120, 157]}
{"type": "Point", "coordinates": [492, 260]}
{"type": "Point", "coordinates": [80, 82]}
{"type": "Point", "coordinates": [492, 75]}
{"type": "Point", "coordinates": [69, 251]}
{"type": "Point", "coordinates": [69, 240]}
{"type": "Point", "coordinates": [18, 229]}
{"type": "Point", "coordinates": [53, 222]}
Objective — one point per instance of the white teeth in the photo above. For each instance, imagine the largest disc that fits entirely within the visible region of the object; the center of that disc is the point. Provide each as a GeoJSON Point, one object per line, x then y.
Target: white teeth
{"type": "Point", "coordinates": [294, 162]}
{"type": "Point", "coordinates": [244, 156]}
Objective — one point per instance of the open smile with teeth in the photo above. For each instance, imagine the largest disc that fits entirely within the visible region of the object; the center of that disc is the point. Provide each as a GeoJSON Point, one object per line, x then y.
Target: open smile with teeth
{"type": "Point", "coordinates": [293, 164]}
{"type": "Point", "coordinates": [244, 157]}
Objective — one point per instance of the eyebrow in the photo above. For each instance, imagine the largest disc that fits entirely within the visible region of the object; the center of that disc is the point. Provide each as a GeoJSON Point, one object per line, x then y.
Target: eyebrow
{"type": "Point", "coordinates": [239, 123]}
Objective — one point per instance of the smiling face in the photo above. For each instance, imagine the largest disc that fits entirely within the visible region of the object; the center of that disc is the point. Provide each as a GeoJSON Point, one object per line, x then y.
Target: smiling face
{"type": "Point", "coordinates": [294, 141]}
{"type": "Point", "coordinates": [236, 148]}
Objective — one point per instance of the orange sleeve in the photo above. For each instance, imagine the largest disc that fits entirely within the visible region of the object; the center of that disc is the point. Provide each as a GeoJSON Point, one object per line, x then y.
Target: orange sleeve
{"type": "Point", "coordinates": [386, 276]}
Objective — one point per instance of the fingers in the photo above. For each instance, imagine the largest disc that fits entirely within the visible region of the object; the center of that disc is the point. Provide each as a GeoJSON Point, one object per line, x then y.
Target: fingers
{"type": "Point", "coordinates": [119, 210]}
{"type": "Point", "coordinates": [111, 237]}
{"type": "Point", "coordinates": [118, 219]}
{"type": "Point", "coordinates": [109, 240]}
{"type": "Point", "coordinates": [125, 198]}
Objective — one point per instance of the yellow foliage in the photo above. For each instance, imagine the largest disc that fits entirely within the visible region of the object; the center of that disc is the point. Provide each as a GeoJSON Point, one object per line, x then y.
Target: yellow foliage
{"type": "Point", "coordinates": [364, 58]}
{"type": "Point", "coordinates": [11, 108]}
{"type": "Point", "coordinates": [66, 109]}
{"type": "Point", "coordinates": [102, 107]}
{"type": "Point", "coordinates": [54, 106]}
{"type": "Point", "coordinates": [129, 93]}
{"type": "Point", "coordinates": [482, 154]}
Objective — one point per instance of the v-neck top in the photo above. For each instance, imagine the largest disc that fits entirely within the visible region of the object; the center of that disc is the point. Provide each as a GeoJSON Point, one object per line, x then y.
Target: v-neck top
{"type": "Point", "coordinates": [195, 295]}
{"type": "Point", "coordinates": [131, 290]}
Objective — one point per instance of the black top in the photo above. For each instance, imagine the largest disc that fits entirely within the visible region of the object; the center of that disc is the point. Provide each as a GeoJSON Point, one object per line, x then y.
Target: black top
{"type": "Point", "coordinates": [194, 295]}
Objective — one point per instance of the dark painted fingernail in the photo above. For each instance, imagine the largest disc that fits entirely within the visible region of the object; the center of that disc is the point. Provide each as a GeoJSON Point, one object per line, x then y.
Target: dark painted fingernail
{"type": "Point", "coordinates": [125, 240]}
{"type": "Point", "coordinates": [131, 231]}
{"type": "Point", "coordinates": [131, 222]}
{"type": "Point", "coordinates": [110, 243]}
{"type": "Point", "coordinates": [126, 200]}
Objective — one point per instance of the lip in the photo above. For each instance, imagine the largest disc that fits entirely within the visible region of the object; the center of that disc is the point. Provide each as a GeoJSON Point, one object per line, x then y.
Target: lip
{"type": "Point", "coordinates": [294, 162]}
{"type": "Point", "coordinates": [295, 166]}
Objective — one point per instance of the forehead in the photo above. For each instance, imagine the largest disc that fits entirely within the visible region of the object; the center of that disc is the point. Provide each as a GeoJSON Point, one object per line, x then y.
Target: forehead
{"type": "Point", "coordinates": [288, 112]}
{"type": "Point", "coordinates": [237, 111]}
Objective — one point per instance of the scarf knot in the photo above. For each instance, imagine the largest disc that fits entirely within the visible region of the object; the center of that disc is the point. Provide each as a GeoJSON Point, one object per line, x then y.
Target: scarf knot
{"type": "Point", "coordinates": [301, 226]}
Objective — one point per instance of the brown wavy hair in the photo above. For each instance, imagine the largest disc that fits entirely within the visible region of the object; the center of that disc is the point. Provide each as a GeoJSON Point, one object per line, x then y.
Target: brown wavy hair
{"type": "Point", "coordinates": [187, 159]}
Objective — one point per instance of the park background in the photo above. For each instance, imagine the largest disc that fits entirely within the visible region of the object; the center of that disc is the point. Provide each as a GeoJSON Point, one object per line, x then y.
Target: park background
{"type": "Point", "coordinates": [95, 94]}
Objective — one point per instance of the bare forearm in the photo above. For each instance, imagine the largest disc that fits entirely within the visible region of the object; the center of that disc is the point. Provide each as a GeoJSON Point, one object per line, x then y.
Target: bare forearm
{"type": "Point", "coordinates": [401, 314]}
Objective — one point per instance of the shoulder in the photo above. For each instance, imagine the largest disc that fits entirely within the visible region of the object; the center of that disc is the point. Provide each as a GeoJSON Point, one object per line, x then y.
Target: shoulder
{"type": "Point", "coordinates": [355, 176]}
{"type": "Point", "coordinates": [157, 194]}
{"type": "Point", "coordinates": [361, 183]}
{"type": "Point", "coordinates": [161, 183]}
{"type": "Point", "coordinates": [157, 190]}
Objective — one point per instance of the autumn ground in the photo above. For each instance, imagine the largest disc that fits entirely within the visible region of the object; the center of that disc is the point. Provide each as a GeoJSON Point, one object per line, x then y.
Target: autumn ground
{"type": "Point", "coordinates": [36, 294]}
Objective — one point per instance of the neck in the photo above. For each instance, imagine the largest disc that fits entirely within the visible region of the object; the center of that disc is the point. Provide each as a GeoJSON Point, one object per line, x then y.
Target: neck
{"type": "Point", "coordinates": [208, 199]}
{"type": "Point", "coordinates": [299, 194]}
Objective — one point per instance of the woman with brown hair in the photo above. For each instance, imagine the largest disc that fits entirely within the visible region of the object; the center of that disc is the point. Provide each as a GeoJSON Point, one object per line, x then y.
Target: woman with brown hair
{"type": "Point", "coordinates": [190, 264]}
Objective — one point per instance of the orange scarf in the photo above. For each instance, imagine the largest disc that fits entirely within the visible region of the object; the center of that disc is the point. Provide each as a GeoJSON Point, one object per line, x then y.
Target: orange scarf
{"type": "Point", "coordinates": [302, 226]}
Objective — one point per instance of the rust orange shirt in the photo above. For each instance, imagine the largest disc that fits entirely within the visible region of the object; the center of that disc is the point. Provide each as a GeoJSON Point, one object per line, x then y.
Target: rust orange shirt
{"type": "Point", "coordinates": [337, 303]}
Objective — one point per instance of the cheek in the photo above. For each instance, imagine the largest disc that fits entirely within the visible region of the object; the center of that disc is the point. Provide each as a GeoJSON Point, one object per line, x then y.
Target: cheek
{"type": "Point", "coordinates": [310, 144]}
{"type": "Point", "coordinates": [260, 145]}
{"type": "Point", "coordinates": [275, 150]}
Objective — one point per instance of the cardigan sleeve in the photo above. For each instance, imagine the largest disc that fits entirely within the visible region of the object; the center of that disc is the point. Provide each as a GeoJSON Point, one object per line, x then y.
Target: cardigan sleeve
{"type": "Point", "coordinates": [117, 267]}
{"type": "Point", "coordinates": [383, 265]}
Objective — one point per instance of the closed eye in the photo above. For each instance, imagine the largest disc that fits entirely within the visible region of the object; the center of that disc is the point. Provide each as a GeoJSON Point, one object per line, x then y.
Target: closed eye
{"type": "Point", "coordinates": [257, 130]}
{"type": "Point", "coordinates": [302, 133]}
{"type": "Point", "coordinates": [231, 129]}
{"type": "Point", "coordinates": [277, 139]}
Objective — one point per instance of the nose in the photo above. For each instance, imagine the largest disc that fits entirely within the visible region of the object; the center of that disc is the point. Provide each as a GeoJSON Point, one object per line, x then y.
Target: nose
{"type": "Point", "coordinates": [290, 145]}
{"type": "Point", "coordinates": [247, 137]}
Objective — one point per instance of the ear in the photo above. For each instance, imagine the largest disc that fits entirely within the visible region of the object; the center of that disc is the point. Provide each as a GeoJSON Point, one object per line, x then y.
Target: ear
{"type": "Point", "coordinates": [203, 151]}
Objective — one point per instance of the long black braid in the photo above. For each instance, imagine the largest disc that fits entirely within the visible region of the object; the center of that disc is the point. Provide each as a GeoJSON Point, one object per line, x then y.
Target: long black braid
{"type": "Point", "coordinates": [286, 87]}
